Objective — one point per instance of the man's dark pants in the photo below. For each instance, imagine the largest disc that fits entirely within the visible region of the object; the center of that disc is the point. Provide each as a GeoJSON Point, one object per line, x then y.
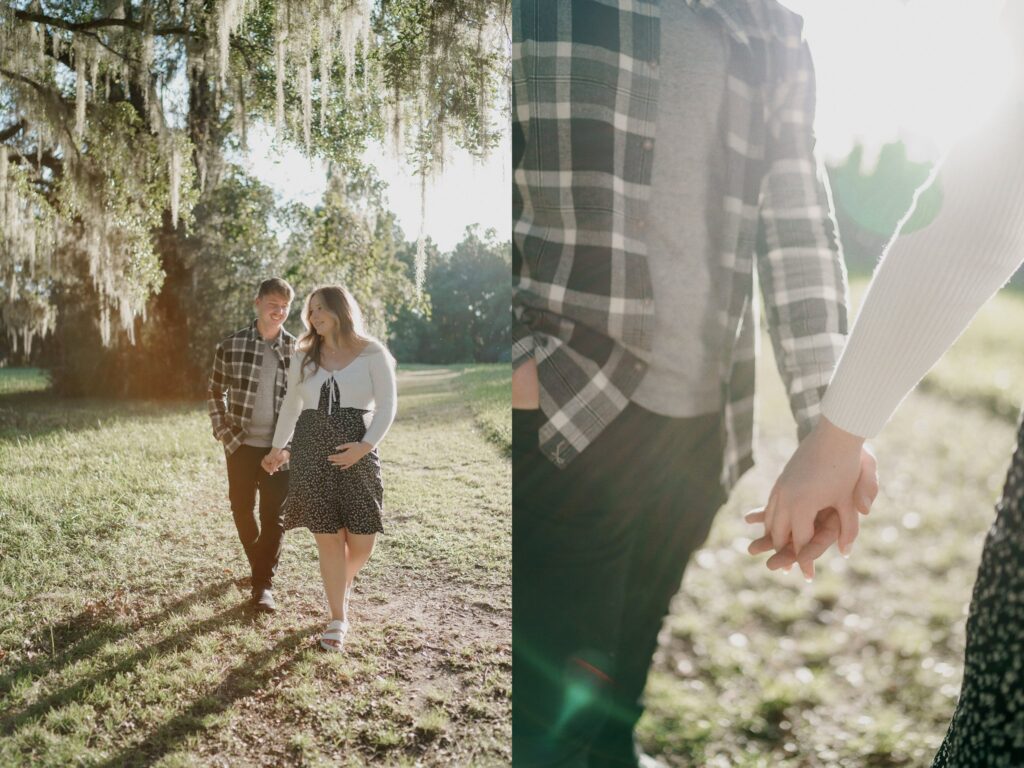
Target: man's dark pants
{"type": "Point", "coordinates": [599, 549]}
{"type": "Point", "coordinates": [262, 542]}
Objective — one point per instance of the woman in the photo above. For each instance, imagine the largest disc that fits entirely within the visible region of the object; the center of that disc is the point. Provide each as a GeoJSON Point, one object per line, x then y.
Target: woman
{"type": "Point", "coordinates": [925, 292]}
{"type": "Point", "coordinates": [335, 377]}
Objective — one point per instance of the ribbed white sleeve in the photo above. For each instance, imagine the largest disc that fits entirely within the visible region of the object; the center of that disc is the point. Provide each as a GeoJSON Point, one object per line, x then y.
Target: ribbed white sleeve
{"type": "Point", "coordinates": [385, 397]}
{"type": "Point", "coordinates": [291, 406]}
{"type": "Point", "coordinates": [931, 283]}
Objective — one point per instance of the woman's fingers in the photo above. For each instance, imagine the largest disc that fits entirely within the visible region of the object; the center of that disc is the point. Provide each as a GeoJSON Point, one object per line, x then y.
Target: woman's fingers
{"type": "Point", "coordinates": [866, 490]}
{"type": "Point", "coordinates": [849, 527]}
{"type": "Point", "coordinates": [782, 560]}
{"type": "Point", "coordinates": [824, 536]}
{"type": "Point", "coordinates": [781, 528]}
{"type": "Point", "coordinates": [803, 531]}
{"type": "Point", "coordinates": [769, 510]}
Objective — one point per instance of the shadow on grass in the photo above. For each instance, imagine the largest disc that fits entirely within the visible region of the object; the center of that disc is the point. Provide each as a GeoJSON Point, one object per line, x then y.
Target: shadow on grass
{"type": "Point", "coordinates": [37, 414]}
{"type": "Point", "coordinates": [87, 636]}
{"type": "Point", "coordinates": [81, 635]}
{"type": "Point", "coordinates": [244, 678]}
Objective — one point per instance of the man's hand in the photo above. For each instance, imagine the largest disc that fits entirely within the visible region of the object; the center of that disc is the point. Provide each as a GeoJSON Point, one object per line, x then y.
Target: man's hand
{"type": "Point", "coordinates": [348, 454]}
{"type": "Point", "coordinates": [831, 478]}
{"type": "Point", "coordinates": [525, 387]}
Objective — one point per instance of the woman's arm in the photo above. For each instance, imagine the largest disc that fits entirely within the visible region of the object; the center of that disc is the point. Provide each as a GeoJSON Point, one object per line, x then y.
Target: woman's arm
{"type": "Point", "coordinates": [931, 283]}
{"type": "Point", "coordinates": [385, 396]}
{"type": "Point", "coordinates": [291, 406]}
{"type": "Point", "coordinates": [927, 289]}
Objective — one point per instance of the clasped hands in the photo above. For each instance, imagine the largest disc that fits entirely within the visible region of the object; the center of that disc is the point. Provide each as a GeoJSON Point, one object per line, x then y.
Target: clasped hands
{"type": "Point", "coordinates": [347, 455]}
{"type": "Point", "coordinates": [830, 480]}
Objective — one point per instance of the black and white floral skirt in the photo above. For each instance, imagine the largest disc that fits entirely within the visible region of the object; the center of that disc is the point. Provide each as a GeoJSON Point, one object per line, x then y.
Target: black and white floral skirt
{"type": "Point", "coordinates": [988, 725]}
{"type": "Point", "coordinates": [321, 496]}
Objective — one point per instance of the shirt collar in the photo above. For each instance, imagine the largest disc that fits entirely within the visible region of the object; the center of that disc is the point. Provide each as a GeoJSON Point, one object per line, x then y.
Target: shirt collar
{"type": "Point", "coordinates": [737, 15]}
{"type": "Point", "coordinates": [255, 335]}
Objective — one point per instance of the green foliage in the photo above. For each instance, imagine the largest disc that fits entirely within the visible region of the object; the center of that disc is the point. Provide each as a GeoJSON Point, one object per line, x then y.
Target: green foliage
{"type": "Point", "coordinates": [352, 239]}
{"type": "Point", "coordinates": [470, 292]}
{"type": "Point", "coordinates": [869, 204]}
{"type": "Point", "coordinates": [118, 116]}
{"type": "Point", "coordinates": [232, 251]}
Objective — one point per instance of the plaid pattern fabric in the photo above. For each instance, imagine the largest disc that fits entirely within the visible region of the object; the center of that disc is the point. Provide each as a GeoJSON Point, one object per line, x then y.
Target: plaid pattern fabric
{"type": "Point", "coordinates": [585, 90]}
{"type": "Point", "coordinates": [235, 378]}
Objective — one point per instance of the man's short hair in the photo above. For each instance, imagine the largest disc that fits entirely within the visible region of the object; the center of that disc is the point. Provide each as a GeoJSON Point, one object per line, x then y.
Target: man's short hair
{"type": "Point", "coordinates": [275, 285]}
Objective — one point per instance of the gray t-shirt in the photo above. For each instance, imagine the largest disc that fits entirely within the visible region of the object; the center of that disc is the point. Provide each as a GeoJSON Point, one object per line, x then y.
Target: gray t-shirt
{"type": "Point", "coordinates": [688, 179]}
{"type": "Point", "coordinates": [261, 426]}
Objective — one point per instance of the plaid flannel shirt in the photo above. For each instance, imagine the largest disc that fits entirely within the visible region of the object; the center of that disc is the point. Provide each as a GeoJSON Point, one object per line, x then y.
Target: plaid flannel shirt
{"type": "Point", "coordinates": [584, 104]}
{"type": "Point", "coordinates": [235, 378]}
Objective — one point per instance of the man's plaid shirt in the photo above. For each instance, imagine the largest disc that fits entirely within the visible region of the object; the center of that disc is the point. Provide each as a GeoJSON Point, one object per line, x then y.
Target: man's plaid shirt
{"type": "Point", "coordinates": [584, 103]}
{"type": "Point", "coordinates": [235, 378]}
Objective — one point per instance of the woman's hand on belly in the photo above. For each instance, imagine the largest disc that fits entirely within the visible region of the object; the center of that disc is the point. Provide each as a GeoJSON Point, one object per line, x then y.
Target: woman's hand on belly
{"type": "Point", "coordinates": [348, 454]}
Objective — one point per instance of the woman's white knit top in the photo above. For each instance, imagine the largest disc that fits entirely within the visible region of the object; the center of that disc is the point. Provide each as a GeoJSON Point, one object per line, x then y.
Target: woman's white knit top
{"type": "Point", "coordinates": [368, 382]}
{"type": "Point", "coordinates": [931, 283]}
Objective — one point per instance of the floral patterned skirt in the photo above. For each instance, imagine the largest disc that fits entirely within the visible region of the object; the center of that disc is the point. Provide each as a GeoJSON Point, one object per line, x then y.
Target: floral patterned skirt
{"type": "Point", "coordinates": [988, 725]}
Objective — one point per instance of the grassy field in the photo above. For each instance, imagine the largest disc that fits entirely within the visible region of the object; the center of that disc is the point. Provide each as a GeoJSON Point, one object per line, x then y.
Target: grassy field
{"type": "Point", "coordinates": [862, 668]}
{"type": "Point", "coordinates": [123, 635]}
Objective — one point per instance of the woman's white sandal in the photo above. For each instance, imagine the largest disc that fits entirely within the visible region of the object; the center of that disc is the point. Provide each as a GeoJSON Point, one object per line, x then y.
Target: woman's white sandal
{"type": "Point", "coordinates": [335, 632]}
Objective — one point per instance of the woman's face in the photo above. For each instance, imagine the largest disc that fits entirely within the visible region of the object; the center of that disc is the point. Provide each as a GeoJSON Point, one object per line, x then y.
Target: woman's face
{"type": "Point", "coordinates": [321, 319]}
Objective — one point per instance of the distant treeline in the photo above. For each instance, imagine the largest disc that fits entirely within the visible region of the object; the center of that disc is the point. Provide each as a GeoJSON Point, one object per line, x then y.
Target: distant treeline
{"type": "Point", "coordinates": [240, 236]}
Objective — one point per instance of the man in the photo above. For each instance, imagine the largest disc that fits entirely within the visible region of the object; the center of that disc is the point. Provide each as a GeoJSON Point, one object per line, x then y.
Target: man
{"type": "Point", "coordinates": [659, 152]}
{"type": "Point", "coordinates": [246, 388]}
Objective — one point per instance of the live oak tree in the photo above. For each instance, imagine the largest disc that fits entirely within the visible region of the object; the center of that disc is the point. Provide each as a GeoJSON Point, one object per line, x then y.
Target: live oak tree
{"type": "Point", "coordinates": [116, 117]}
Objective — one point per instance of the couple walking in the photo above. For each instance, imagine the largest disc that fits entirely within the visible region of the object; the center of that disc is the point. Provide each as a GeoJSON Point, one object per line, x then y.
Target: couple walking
{"type": "Point", "coordinates": [292, 415]}
{"type": "Point", "coordinates": [661, 153]}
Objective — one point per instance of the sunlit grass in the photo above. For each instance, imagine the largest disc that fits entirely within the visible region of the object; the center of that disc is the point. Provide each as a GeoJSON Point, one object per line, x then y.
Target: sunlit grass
{"type": "Point", "coordinates": [862, 667]}
{"type": "Point", "coordinates": [22, 380]}
{"type": "Point", "coordinates": [124, 638]}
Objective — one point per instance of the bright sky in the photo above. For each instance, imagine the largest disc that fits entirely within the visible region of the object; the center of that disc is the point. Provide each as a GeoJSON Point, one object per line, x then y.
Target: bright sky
{"type": "Point", "coordinates": [923, 71]}
{"type": "Point", "coordinates": [919, 70]}
{"type": "Point", "coordinates": [467, 192]}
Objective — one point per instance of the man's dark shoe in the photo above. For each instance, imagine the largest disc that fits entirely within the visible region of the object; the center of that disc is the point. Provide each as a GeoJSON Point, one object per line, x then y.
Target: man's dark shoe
{"type": "Point", "coordinates": [263, 600]}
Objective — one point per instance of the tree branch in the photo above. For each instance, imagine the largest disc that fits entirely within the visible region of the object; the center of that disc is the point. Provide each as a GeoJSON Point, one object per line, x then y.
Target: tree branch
{"type": "Point", "coordinates": [84, 26]}
{"type": "Point", "coordinates": [12, 130]}
{"type": "Point", "coordinates": [29, 158]}
{"type": "Point", "coordinates": [27, 81]}
{"type": "Point", "coordinates": [47, 93]}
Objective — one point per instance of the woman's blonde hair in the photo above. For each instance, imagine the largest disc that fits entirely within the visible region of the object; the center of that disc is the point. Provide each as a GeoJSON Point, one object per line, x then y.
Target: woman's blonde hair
{"type": "Point", "coordinates": [339, 302]}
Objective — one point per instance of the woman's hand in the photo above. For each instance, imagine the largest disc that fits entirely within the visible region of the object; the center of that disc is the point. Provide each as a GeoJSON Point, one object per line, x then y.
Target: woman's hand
{"type": "Point", "coordinates": [830, 478]}
{"type": "Point", "coordinates": [348, 454]}
{"type": "Point", "coordinates": [273, 460]}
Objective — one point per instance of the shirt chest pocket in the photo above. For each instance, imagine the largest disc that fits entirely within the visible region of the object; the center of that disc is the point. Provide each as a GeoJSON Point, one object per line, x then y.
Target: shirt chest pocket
{"type": "Point", "coordinates": [242, 375]}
